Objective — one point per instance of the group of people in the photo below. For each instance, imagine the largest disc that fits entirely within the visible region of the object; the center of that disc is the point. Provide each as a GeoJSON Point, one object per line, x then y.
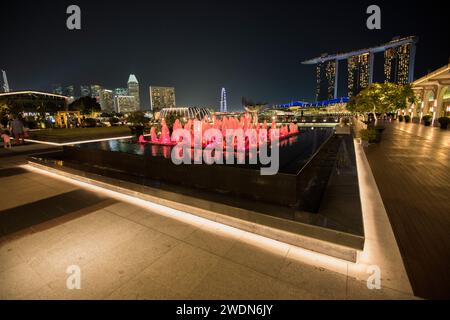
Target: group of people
{"type": "Point", "coordinates": [16, 129]}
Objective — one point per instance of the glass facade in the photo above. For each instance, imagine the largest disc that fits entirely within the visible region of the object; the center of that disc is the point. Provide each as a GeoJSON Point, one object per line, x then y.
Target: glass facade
{"type": "Point", "coordinates": [162, 97]}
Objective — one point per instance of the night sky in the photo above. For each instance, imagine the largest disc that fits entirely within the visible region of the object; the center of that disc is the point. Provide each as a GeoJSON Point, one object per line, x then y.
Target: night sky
{"type": "Point", "coordinates": [252, 48]}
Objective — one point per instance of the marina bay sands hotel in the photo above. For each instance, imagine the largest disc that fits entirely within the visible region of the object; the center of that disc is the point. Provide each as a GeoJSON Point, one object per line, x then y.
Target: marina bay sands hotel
{"type": "Point", "coordinates": [399, 55]}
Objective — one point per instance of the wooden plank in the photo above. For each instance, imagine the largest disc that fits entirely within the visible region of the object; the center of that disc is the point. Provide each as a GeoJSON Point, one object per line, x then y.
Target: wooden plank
{"type": "Point", "coordinates": [412, 169]}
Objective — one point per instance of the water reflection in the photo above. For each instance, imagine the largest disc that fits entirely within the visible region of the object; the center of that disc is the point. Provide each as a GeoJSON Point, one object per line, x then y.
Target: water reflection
{"type": "Point", "coordinates": [294, 151]}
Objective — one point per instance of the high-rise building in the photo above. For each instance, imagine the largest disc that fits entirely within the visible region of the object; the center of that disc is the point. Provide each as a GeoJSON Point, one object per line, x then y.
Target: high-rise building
{"type": "Point", "coordinates": [106, 100]}
{"type": "Point", "coordinates": [359, 73]}
{"type": "Point", "coordinates": [57, 89]}
{"type": "Point", "coordinates": [95, 91]}
{"type": "Point", "coordinates": [399, 64]}
{"type": "Point", "coordinates": [69, 91]}
{"type": "Point", "coordinates": [326, 77]}
{"type": "Point", "coordinates": [399, 56]}
{"type": "Point", "coordinates": [5, 86]}
{"type": "Point", "coordinates": [133, 89]}
{"type": "Point", "coordinates": [125, 104]}
{"type": "Point", "coordinates": [121, 91]}
{"type": "Point", "coordinates": [223, 101]}
{"type": "Point", "coordinates": [161, 97]}
{"type": "Point", "coordinates": [85, 91]}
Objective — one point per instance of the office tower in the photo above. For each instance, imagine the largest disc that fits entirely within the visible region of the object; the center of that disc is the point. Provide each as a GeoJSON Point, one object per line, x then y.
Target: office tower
{"type": "Point", "coordinates": [223, 101]}
{"type": "Point", "coordinates": [121, 91]}
{"type": "Point", "coordinates": [326, 77]}
{"type": "Point", "coordinates": [106, 100]}
{"type": "Point", "coordinates": [85, 91]}
{"type": "Point", "coordinates": [57, 89]}
{"type": "Point", "coordinates": [133, 89]}
{"type": "Point", "coordinates": [69, 91]}
{"type": "Point", "coordinates": [399, 64]}
{"type": "Point", "coordinates": [5, 86]}
{"type": "Point", "coordinates": [359, 73]}
{"type": "Point", "coordinates": [95, 91]}
{"type": "Point", "coordinates": [126, 104]}
{"type": "Point", "coordinates": [161, 97]}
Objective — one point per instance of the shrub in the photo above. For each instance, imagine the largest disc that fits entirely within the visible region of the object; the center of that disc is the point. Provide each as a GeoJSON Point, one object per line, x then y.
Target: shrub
{"type": "Point", "coordinates": [113, 121]}
{"type": "Point", "coordinates": [427, 119]}
{"type": "Point", "coordinates": [400, 118]}
{"type": "Point", "coordinates": [89, 123]}
{"type": "Point", "coordinates": [407, 119]}
{"type": "Point", "coordinates": [137, 118]}
{"type": "Point", "coordinates": [368, 135]}
{"type": "Point", "coordinates": [444, 121]}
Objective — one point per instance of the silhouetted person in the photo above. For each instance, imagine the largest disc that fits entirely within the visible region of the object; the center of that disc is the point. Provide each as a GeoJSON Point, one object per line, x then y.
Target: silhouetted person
{"type": "Point", "coordinates": [17, 130]}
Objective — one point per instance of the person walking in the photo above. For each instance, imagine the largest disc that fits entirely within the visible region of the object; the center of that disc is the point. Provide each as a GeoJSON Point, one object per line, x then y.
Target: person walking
{"type": "Point", "coordinates": [17, 130]}
{"type": "Point", "coordinates": [6, 139]}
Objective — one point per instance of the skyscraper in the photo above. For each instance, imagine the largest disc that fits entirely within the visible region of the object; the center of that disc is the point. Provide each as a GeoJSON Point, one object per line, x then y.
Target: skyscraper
{"type": "Point", "coordinates": [133, 89]}
{"type": "Point", "coordinates": [121, 91]}
{"type": "Point", "coordinates": [399, 56]}
{"type": "Point", "coordinates": [161, 97]}
{"type": "Point", "coordinates": [359, 73]}
{"type": "Point", "coordinates": [106, 100]}
{"type": "Point", "coordinates": [326, 77]}
{"type": "Point", "coordinates": [5, 86]}
{"type": "Point", "coordinates": [223, 101]}
{"type": "Point", "coordinates": [85, 91]}
{"type": "Point", "coordinates": [125, 104]}
{"type": "Point", "coordinates": [399, 64]}
{"type": "Point", "coordinates": [57, 89]}
{"type": "Point", "coordinates": [69, 91]}
{"type": "Point", "coordinates": [95, 91]}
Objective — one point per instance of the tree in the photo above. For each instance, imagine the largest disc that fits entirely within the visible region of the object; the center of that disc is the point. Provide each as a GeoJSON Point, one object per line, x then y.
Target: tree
{"type": "Point", "coordinates": [382, 98]}
{"type": "Point", "coordinates": [170, 119]}
{"type": "Point", "coordinates": [86, 105]}
{"type": "Point", "coordinates": [137, 118]}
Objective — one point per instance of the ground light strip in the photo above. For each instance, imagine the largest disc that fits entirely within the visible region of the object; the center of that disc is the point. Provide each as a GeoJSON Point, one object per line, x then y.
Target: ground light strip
{"type": "Point", "coordinates": [273, 246]}
{"type": "Point", "coordinates": [78, 142]}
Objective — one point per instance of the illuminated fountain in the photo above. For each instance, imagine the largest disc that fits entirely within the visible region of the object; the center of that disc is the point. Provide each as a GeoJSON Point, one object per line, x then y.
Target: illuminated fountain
{"type": "Point", "coordinates": [197, 128]}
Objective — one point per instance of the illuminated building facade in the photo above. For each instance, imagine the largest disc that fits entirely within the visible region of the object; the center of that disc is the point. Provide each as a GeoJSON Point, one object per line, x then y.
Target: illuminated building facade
{"type": "Point", "coordinates": [399, 64]}
{"type": "Point", "coordinates": [326, 77]}
{"type": "Point", "coordinates": [133, 90]}
{"type": "Point", "coordinates": [399, 54]}
{"type": "Point", "coordinates": [57, 89]}
{"type": "Point", "coordinates": [5, 86]}
{"type": "Point", "coordinates": [69, 91]}
{"type": "Point", "coordinates": [95, 91]}
{"type": "Point", "coordinates": [223, 101]}
{"type": "Point", "coordinates": [162, 97]}
{"type": "Point", "coordinates": [106, 100]}
{"type": "Point", "coordinates": [121, 91]}
{"type": "Point", "coordinates": [85, 91]}
{"type": "Point", "coordinates": [359, 73]}
{"type": "Point", "coordinates": [126, 104]}
{"type": "Point", "coordinates": [433, 91]}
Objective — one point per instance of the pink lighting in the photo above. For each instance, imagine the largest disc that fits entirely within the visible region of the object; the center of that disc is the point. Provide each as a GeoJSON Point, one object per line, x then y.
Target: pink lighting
{"type": "Point", "coordinates": [256, 134]}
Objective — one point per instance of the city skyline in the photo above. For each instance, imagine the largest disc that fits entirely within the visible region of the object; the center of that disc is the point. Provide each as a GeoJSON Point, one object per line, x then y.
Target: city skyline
{"type": "Point", "coordinates": [261, 59]}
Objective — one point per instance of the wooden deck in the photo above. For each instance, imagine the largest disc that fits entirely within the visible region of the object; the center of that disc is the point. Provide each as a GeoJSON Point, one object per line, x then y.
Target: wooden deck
{"type": "Point", "coordinates": [412, 169]}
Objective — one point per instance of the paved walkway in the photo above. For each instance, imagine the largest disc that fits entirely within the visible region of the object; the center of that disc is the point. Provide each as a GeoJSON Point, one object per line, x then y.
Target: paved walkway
{"type": "Point", "coordinates": [130, 251]}
{"type": "Point", "coordinates": [412, 169]}
{"type": "Point", "coordinates": [25, 149]}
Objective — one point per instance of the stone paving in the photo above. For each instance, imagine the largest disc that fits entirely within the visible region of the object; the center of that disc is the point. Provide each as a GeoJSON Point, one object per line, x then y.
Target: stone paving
{"type": "Point", "coordinates": [126, 251]}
